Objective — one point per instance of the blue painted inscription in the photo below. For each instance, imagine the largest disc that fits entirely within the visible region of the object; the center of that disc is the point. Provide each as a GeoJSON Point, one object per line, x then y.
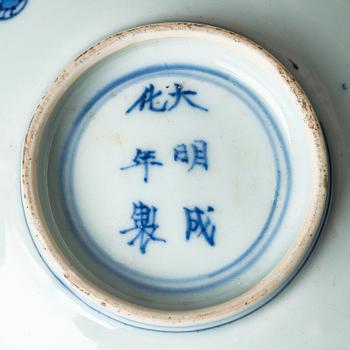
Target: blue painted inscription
{"type": "Point", "coordinates": [146, 159]}
{"type": "Point", "coordinates": [144, 218]}
{"type": "Point", "coordinates": [199, 223]}
{"type": "Point", "coordinates": [151, 99]}
{"type": "Point", "coordinates": [198, 156]}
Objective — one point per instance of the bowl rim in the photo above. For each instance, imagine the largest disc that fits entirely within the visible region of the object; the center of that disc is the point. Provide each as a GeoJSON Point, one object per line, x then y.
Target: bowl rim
{"type": "Point", "coordinates": [141, 316]}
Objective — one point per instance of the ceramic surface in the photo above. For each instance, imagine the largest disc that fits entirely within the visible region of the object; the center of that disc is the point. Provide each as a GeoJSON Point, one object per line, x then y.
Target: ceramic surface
{"type": "Point", "coordinates": [313, 312]}
{"type": "Point", "coordinates": [234, 210]}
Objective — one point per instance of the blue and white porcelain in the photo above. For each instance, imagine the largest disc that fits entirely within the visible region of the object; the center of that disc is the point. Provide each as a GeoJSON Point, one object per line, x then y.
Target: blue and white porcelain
{"type": "Point", "coordinates": [139, 199]}
{"type": "Point", "coordinates": [174, 177]}
{"type": "Point", "coordinates": [11, 8]}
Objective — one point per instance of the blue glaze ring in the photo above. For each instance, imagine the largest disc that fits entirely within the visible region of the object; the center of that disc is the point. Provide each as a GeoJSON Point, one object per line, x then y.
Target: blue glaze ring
{"type": "Point", "coordinates": [252, 253]}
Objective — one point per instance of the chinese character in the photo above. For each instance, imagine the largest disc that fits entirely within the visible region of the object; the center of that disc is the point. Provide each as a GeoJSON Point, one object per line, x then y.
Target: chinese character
{"type": "Point", "coordinates": [145, 158]}
{"type": "Point", "coordinates": [181, 154]}
{"type": "Point", "coordinates": [195, 224]}
{"type": "Point", "coordinates": [180, 93]}
{"type": "Point", "coordinates": [149, 99]}
{"type": "Point", "coordinates": [144, 218]}
{"type": "Point", "coordinates": [199, 152]}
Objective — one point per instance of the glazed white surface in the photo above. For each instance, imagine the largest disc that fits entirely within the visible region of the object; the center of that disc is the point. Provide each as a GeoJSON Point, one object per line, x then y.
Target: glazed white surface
{"type": "Point", "coordinates": [313, 312]}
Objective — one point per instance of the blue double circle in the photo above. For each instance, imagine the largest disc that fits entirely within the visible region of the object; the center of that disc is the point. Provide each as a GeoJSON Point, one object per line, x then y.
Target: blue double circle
{"type": "Point", "coordinates": [270, 228]}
